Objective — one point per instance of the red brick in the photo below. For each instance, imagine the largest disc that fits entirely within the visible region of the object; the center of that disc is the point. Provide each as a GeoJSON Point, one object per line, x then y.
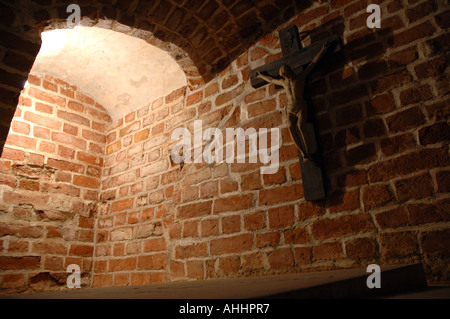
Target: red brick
{"type": "Point", "coordinates": [21, 141]}
{"type": "Point", "coordinates": [194, 269]}
{"type": "Point", "coordinates": [375, 196]}
{"type": "Point", "coordinates": [47, 97]}
{"type": "Point", "coordinates": [280, 194]}
{"type": "Point", "coordinates": [49, 248]}
{"type": "Point", "coordinates": [157, 261]}
{"type": "Point", "coordinates": [113, 147]}
{"type": "Point", "coordinates": [296, 236]}
{"type": "Point", "coordinates": [251, 181]}
{"type": "Point", "coordinates": [436, 243]}
{"type": "Point", "coordinates": [69, 139]}
{"type": "Point", "coordinates": [403, 57]}
{"type": "Point", "coordinates": [268, 239]}
{"type": "Point", "coordinates": [439, 132]}
{"type": "Point", "coordinates": [89, 159]}
{"type": "Point", "coordinates": [391, 81]}
{"type": "Point", "coordinates": [443, 181]}
{"type": "Point", "coordinates": [254, 221]}
{"type": "Point", "coordinates": [281, 217]}
{"type": "Point", "coordinates": [84, 98]}
{"type": "Point", "coordinates": [409, 163]}
{"type": "Point", "coordinates": [74, 118]}
{"type": "Point", "coordinates": [415, 95]}
{"type": "Point", "coordinates": [308, 210]}
{"type": "Point", "coordinates": [12, 154]}
{"type": "Point", "coordinates": [281, 258]}
{"type": "Point", "coordinates": [209, 227]}
{"type": "Point", "coordinates": [25, 197]}
{"type": "Point", "coordinates": [229, 96]}
{"type": "Point", "coordinates": [154, 244]}
{"type": "Point", "coordinates": [397, 144]}
{"type": "Point", "coordinates": [85, 181]}
{"type": "Point", "coordinates": [9, 180]}
{"type": "Point", "coordinates": [401, 244]}
{"type": "Point", "coordinates": [380, 104]}
{"type": "Point", "coordinates": [29, 185]}
{"type": "Point", "coordinates": [195, 210]}
{"type": "Point", "coordinates": [257, 53]}
{"type": "Point", "coordinates": [309, 16]}
{"type": "Point", "coordinates": [231, 224]}
{"type": "Point", "coordinates": [93, 136]}
{"type": "Point", "coordinates": [232, 244]}
{"type": "Point", "coordinates": [209, 189]}
{"type": "Point", "coordinates": [191, 251]}
{"type": "Point", "coordinates": [341, 226]}
{"type": "Point", "coordinates": [175, 95]}
{"type": "Point", "coordinates": [353, 178]}
{"type": "Point", "coordinates": [302, 255]}
{"type": "Point", "coordinates": [261, 107]}
{"type": "Point", "coordinates": [233, 203]}
{"type": "Point", "coordinates": [361, 248]}
{"type": "Point", "coordinates": [256, 95]}
{"type": "Point", "coordinates": [229, 264]}
{"type": "Point", "coordinates": [19, 263]}
{"type": "Point", "coordinates": [362, 154]}
{"type": "Point", "coordinates": [141, 136]}
{"type": "Point", "coordinates": [194, 98]}
{"type": "Point", "coordinates": [420, 31]}
{"type": "Point", "coordinates": [328, 251]}
{"type": "Point", "coordinates": [343, 201]}
{"type": "Point", "coordinates": [121, 264]}
{"type": "Point", "coordinates": [427, 213]}
{"type": "Point", "coordinates": [96, 114]}
{"type": "Point", "coordinates": [66, 152]}
{"type": "Point", "coordinates": [190, 229]}
{"type": "Point", "coordinates": [20, 127]}
{"type": "Point", "coordinates": [177, 269]}
{"type": "Point", "coordinates": [122, 205]}
{"type": "Point", "coordinates": [414, 188]}
{"type": "Point", "coordinates": [81, 250]}
{"type": "Point", "coordinates": [65, 165]}
{"type": "Point", "coordinates": [393, 218]}
{"type": "Point", "coordinates": [422, 10]}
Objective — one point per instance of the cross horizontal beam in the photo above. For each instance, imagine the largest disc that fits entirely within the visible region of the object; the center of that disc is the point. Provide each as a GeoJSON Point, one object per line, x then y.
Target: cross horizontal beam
{"type": "Point", "coordinates": [296, 60]}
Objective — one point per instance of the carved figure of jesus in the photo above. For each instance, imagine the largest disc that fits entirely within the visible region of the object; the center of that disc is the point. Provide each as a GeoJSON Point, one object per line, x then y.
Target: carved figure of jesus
{"type": "Point", "coordinates": [297, 108]}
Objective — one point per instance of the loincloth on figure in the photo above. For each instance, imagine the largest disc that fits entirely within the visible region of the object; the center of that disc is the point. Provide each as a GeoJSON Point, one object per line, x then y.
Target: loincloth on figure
{"type": "Point", "coordinates": [295, 110]}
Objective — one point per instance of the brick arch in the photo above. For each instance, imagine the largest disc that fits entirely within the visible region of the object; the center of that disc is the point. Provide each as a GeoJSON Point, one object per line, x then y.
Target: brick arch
{"type": "Point", "coordinates": [202, 36]}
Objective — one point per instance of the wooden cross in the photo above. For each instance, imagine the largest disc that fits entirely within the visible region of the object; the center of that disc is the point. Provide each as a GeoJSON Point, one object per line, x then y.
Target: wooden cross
{"type": "Point", "coordinates": [297, 58]}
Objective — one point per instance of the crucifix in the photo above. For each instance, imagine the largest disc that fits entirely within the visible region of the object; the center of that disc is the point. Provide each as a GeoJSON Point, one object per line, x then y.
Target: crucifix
{"type": "Point", "coordinates": [291, 73]}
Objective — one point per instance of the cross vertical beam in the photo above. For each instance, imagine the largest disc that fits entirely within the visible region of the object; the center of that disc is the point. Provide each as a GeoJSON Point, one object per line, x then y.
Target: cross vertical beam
{"type": "Point", "coordinates": [297, 58]}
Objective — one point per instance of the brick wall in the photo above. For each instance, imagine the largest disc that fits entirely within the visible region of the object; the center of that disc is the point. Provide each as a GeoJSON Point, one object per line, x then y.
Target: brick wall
{"type": "Point", "coordinates": [50, 173]}
{"type": "Point", "coordinates": [381, 107]}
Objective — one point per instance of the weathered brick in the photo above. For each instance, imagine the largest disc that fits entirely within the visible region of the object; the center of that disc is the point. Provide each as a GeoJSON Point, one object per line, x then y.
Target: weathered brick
{"type": "Point", "coordinates": [195, 210]}
{"type": "Point", "coordinates": [401, 244]}
{"type": "Point", "coordinates": [341, 226]}
{"type": "Point", "coordinates": [280, 194]}
{"type": "Point", "coordinates": [233, 203]}
{"type": "Point", "coordinates": [232, 244]}
{"type": "Point", "coordinates": [281, 258]}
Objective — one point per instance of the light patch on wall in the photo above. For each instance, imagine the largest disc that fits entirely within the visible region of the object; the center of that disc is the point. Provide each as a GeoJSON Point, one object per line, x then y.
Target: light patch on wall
{"type": "Point", "coordinates": [108, 66]}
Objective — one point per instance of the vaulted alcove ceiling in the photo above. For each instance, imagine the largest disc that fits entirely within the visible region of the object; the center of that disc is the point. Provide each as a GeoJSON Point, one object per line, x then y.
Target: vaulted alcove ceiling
{"type": "Point", "coordinates": [121, 72]}
{"type": "Point", "coordinates": [203, 36]}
